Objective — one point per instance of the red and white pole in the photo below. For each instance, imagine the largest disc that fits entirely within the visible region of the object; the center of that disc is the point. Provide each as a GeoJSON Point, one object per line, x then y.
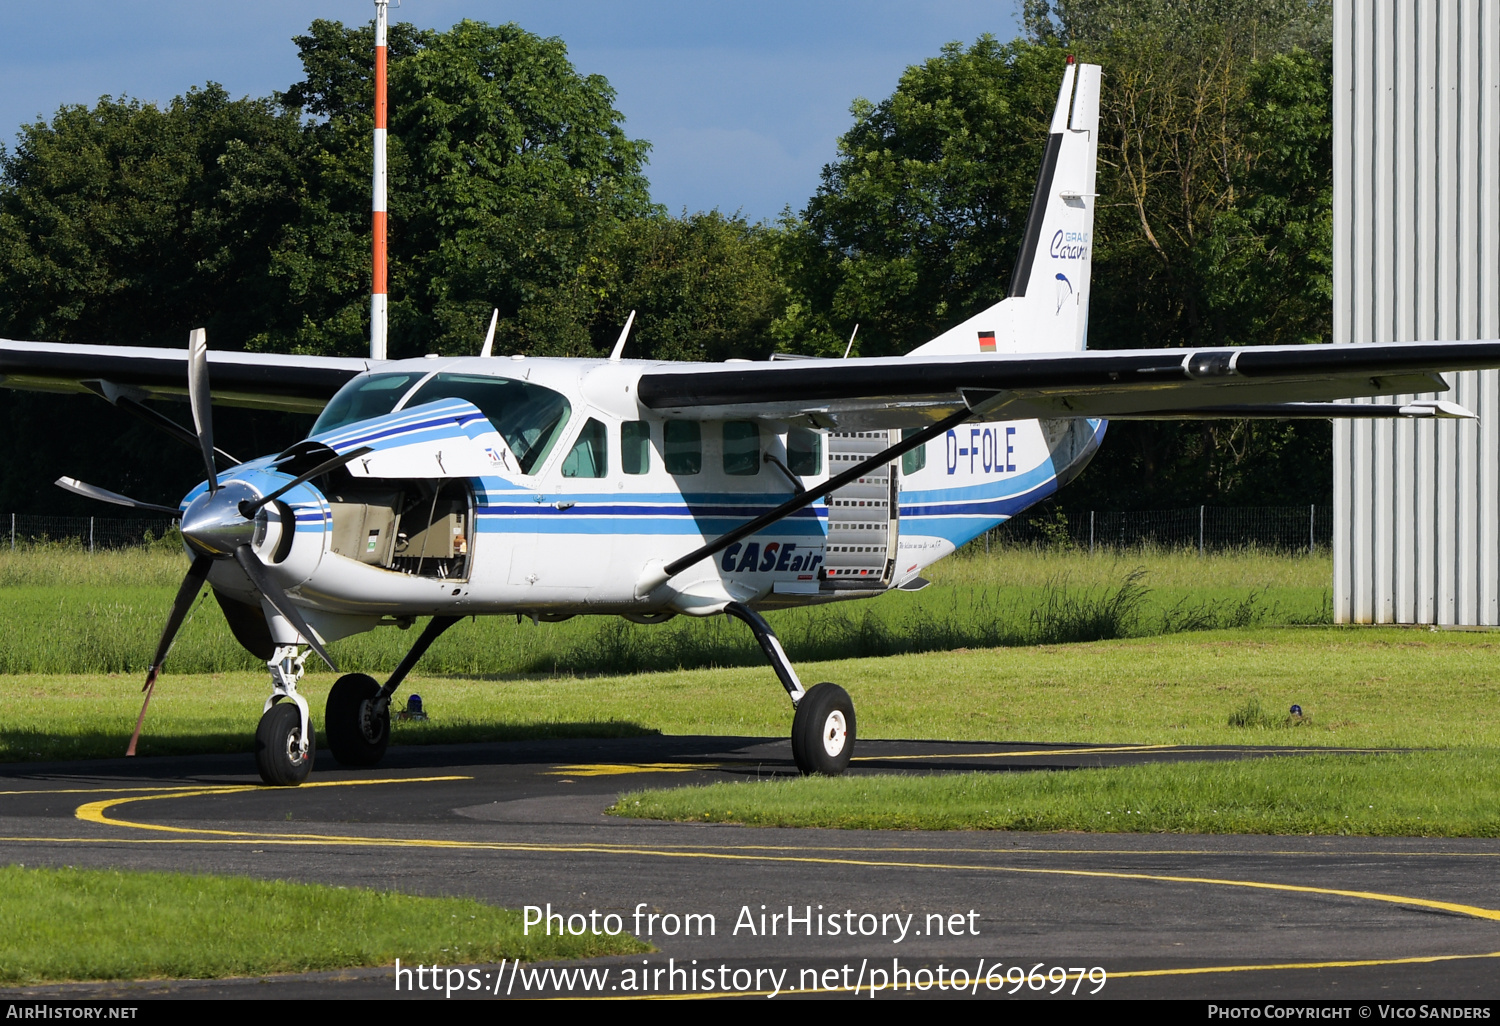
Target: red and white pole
{"type": "Point", "coordinates": [377, 288]}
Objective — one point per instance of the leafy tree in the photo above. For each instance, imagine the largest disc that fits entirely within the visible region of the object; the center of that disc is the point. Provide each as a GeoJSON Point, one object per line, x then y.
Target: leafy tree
{"type": "Point", "coordinates": [508, 172]}
{"type": "Point", "coordinates": [1212, 226]}
{"type": "Point", "coordinates": [511, 184]}
{"type": "Point", "coordinates": [704, 287]}
{"type": "Point", "coordinates": [917, 223]}
{"type": "Point", "coordinates": [130, 223]}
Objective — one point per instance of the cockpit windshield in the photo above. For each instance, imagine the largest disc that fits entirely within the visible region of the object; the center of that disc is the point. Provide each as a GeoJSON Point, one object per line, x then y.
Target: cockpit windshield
{"type": "Point", "coordinates": [529, 417]}
{"type": "Point", "coordinates": [364, 398]}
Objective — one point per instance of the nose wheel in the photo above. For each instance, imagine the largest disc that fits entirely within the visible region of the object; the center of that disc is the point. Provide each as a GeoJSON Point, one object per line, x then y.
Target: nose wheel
{"type": "Point", "coordinates": [823, 731]}
{"type": "Point", "coordinates": [279, 753]}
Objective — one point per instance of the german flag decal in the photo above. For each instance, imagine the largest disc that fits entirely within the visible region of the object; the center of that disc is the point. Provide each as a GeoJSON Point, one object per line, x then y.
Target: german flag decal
{"type": "Point", "coordinates": [986, 341]}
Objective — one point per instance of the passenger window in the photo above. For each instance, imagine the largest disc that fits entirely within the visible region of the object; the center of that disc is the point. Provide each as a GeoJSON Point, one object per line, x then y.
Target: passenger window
{"type": "Point", "coordinates": [589, 456]}
{"type": "Point", "coordinates": [741, 448]}
{"type": "Point", "coordinates": [915, 460]}
{"type": "Point", "coordinates": [682, 447]}
{"type": "Point", "coordinates": [804, 451]}
{"type": "Point", "coordinates": [635, 447]}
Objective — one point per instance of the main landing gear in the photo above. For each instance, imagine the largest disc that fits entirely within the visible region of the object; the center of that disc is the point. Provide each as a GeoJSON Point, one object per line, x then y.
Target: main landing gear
{"type": "Point", "coordinates": [823, 725]}
{"type": "Point", "coordinates": [357, 718]}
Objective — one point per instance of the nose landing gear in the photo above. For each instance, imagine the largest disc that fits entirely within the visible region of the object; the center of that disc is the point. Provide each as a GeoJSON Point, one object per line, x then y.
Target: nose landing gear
{"type": "Point", "coordinates": [284, 742]}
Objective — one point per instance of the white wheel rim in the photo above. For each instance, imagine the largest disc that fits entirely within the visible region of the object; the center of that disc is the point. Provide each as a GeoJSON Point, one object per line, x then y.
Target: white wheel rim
{"type": "Point", "coordinates": [835, 733]}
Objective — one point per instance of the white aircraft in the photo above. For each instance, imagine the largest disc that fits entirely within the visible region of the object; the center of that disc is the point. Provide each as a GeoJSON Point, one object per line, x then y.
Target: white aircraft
{"type": "Point", "coordinates": [449, 487]}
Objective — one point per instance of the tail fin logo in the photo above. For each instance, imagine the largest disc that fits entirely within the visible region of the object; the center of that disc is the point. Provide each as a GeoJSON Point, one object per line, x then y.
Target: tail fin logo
{"type": "Point", "coordinates": [986, 341]}
{"type": "Point", "coordinates": [1064, 291]}
{"type": "Point", "coordinates": [1070, 245]}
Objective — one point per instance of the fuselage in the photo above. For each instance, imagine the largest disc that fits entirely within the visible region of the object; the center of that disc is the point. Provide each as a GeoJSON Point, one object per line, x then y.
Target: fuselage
{"type": "Point", "coordinates": [541, 486]}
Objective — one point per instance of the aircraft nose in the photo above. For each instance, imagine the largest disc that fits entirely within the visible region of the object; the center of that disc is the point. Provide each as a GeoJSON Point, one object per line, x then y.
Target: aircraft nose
{"type": "Point", "coordinates": [213, 524]}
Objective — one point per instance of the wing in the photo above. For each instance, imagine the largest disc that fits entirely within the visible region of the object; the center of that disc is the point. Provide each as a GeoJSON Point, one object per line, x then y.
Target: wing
{"type": "Point", "coordinates": [1167, 384]}
{"type": "Point", "coordinates": [301, 384]}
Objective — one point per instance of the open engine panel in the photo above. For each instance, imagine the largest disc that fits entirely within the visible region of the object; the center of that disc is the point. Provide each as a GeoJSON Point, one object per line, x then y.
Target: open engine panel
{"type": "Point", "coordinates": [418, 527]}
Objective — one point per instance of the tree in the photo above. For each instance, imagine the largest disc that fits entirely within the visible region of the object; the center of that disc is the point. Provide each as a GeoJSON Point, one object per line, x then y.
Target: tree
{"type": "Point", "coordinates": [1212, 226]}
{"type": "Point", "coordinates": [508, 172]}
{"type": "Point", "coordinates": [704, 287]}
{"type": "Point", "coordinates": [512, 184]}
{"type": "Point", "coordinates": [130, 223]}
{"type": "Point", "coordinates": [917, 223]}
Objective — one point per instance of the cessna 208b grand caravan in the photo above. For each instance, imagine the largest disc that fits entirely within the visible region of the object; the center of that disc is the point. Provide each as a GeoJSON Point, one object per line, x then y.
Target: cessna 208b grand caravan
{"type": "Point", "coordinates": [449, 487]}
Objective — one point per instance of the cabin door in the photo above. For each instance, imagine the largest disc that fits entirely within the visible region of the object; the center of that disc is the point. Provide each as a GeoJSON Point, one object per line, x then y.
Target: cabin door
{"type": "Point", "coordinates": [863, 516]}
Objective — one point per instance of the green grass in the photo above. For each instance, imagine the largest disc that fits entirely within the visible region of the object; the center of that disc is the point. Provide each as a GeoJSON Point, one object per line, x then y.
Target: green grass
{"type": "Point", "coordinates": [1417, 794]}
{"type": "Point", "coordinates": [1359, 687]}
{"type": "Point", "coordinates": [70, 612]}
{"type": "Point", "coordinates": [74, 924]}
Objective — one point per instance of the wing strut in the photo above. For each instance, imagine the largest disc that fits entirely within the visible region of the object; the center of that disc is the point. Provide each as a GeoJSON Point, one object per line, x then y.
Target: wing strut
{"type": "Point", "coordinates": [804, 498]}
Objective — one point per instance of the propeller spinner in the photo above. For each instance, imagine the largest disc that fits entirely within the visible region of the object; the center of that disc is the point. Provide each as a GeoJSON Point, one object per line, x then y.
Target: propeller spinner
{"type": "Point", "coordinates": [220, 524]}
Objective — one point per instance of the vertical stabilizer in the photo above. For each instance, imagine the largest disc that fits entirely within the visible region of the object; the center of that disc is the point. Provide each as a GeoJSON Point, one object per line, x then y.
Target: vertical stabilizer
{"type": "Point", "coordinates": [1047, 308]}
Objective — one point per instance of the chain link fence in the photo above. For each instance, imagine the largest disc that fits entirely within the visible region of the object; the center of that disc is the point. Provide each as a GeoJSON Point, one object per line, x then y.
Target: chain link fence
{"type": "Point", "coordinates": [1204, 528]}
{"type": "Point", "coordinates": [89, 533]}
{"type": "Point", "coordinates": [1290, 529]}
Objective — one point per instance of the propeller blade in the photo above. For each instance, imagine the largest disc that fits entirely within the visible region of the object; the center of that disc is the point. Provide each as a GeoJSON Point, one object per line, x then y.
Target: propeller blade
{"type": "Point", "coordinates": [88, 491]}
{"type": "Point", "coordinates": [171, 427]}
{"type": "Point", "coordinates": [159, 421]}
{"type": "Point", "coordinates": [191, 584]}
{"type": "Point", "coordinates": [256, 571]}
{"type": "Point", "coordinates": [198, 395]}
{"type": "Point", "coordinates": [248, 509]}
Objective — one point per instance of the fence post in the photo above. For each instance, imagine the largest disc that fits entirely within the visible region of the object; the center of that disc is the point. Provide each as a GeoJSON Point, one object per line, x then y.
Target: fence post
{"type": "Point", "coordinates": [1091, 532]}
{"type": "Point", "coordinates": [1200, 532]}
{"type": "Point", "coordinates": [986, 543]}
{"type": "Point", "coordinates": [12, 532]}
{"type": "Point", "coordinates": [91, 536]}
{"type": "Point", "coordinates": [1312, 528]}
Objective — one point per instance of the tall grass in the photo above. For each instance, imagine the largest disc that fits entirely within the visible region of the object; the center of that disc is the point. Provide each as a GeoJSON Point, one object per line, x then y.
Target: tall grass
{"type": "Point", "coordinates": [67, 611]}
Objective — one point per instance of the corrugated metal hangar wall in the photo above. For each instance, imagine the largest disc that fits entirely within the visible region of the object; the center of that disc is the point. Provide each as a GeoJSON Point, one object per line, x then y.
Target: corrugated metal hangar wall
{"type": "Point", "coordinates": [1416, 237]}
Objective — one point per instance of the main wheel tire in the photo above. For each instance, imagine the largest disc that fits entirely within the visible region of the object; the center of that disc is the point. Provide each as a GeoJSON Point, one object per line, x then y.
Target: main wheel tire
{"type": "Point", "coordinates": [356, 734]}
{"type": "Point", "coordinates": [823, 731]}
{"type": "Point", "coordinates": [278, 753]}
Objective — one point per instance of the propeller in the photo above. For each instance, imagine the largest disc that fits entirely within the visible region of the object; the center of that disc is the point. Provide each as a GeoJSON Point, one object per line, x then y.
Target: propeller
{"type": "Point", "coordinates": [120, 401]}
{"type": "Point", "coordinates": [196, 576]}
{"type": "Point", "coordinates": [88, 491]}
{"type": "Point", "coordinates": [256, 570]}
{"type": "Point", "coordinates": [249, 508]}
{"type": "Point", "coordinates": [201, 401]}
{"type": "Point", "coordinates": [219, 524]}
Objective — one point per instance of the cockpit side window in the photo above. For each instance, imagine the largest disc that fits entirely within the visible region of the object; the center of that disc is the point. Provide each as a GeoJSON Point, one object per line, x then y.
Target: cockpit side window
{"type": "Point", "coordinates": [529, 417]}
{"type": "Point", "coordinates": [589, 456]}
{"type": "Point", "coordinates": [364, 398]}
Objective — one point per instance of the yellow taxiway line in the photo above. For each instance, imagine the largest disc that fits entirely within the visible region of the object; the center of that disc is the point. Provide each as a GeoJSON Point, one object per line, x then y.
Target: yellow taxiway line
{"type": "Point", "coordinates": [94, 812]}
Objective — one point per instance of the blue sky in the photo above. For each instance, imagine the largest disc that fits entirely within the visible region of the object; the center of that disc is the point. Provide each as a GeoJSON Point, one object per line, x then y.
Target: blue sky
{"type": "Point", "coordinates": [742, 102]}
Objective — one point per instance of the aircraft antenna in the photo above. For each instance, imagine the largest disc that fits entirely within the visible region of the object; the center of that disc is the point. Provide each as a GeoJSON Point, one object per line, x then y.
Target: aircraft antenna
{"type": "Point", "coordinates": [377, 205]}
{"type": "Point", "coordinates": [614, 355]}
{"type": "Point", "coordinates": [850, 347]}
{"type": "Point", "coordinates": [489, 337]}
